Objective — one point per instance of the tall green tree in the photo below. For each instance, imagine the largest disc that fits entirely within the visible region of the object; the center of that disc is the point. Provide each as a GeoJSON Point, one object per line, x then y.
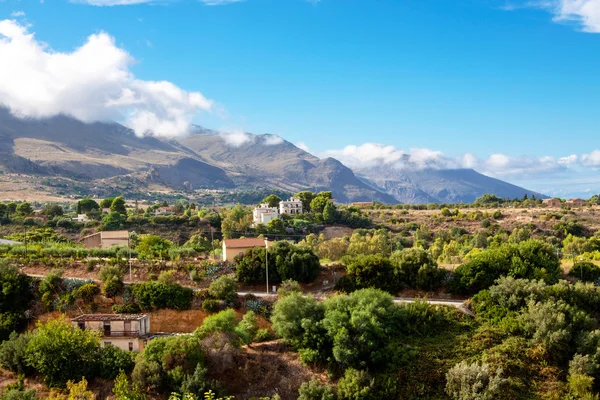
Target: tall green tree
{"type": "Point", "coordinates": [318, 204]}
{"type": "Point", "coordinates": [52, 210]}
{"type": "Point", "coordinates": [24, 208]}
{"type": "Point", "coordinates": [306, 197]}
{"type": "Point", "coordinates": [15, 296]}
{"type": "Point", "coordinates": [272, 200]}
{"type": "Point", "coordinates": [107, 202]}
{"type": "Point", "coordinates": [118, 205]}
{"type": "Point", "coordinates": [61, 352]}
{"type": "Point", "coordinates": [86, 205]}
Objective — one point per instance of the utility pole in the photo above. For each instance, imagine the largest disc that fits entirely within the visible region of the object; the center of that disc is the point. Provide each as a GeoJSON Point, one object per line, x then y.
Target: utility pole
{"type": "Point", "coordinates": [267, 262]}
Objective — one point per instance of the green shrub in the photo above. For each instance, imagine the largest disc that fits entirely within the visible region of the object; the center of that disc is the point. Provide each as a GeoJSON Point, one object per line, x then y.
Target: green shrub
{"type": "Point", "coordinates": [286, 261]}
{"type": "Point", "coordinates": [315, 390]}
{"type": "Point", "coordinates": [158, 295]}
{"type": "Point", "coordinates": [530, 259]}
{"type": "Point", "coordinates": [211, 306]}
{"type": "Point", "coordinates": [371, 271]}
{"type": "Point", "coordinates": [13, 354]}
{"type": "Point", "coordinates": [586, 271]}
{"type": "Point", "coordinates": [224, 288]}
{"type": "Point", "coordinates": [127, 308]}
{"type": "Point", "coordinates": [60, 352]}
{"type": "Point", "coordinates": [288, 287]}
{"type": "Point", "coordinates": [473, 382]}
{"type": "Point", "coordinates": [111, 360]}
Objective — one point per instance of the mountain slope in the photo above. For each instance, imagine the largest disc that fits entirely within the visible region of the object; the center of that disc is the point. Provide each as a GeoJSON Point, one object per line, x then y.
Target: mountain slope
{"type": "Point", "coordinates": [438, 185]}
{"type": "Point", "coordinates": [270, 161]}
{"type": "Point", "coordinates": [102, 154]}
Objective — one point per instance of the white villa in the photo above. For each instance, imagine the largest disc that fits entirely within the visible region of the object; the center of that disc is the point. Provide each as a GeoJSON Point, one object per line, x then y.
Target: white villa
{"type": "Point", "coordinates": [263, 214]}
{"type": "Point", "coordinates": [81, 218]}
{"type": "Point", "coordinates": [292, 206]}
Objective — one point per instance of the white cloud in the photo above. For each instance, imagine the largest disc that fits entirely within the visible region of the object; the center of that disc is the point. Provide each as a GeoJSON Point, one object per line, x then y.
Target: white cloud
{"type": "Point", "coordinates": [236, 138]}
{"type": "Point", "coordinates": [585, 12]}
{"type": "Point", "coordinates": [91, 83]}
{"type": "Point", "coordinates": [568, 160]}
{"type": "Point", "coordinates": [303, 146]}
{"type": "Point", "coordinates": [17, 14]}
{"type": "Point", "coordinates": [500, 165]}
{"type": "Point", "coordinates": [592, 159]}
{"type": "Point", "coordinates": [272, 140]}
{"type": "Point", "coordinates": [368, 154]}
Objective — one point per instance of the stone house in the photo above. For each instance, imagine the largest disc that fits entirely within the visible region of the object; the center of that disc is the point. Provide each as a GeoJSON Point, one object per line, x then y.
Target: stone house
{"type": "Point", "coordinates": [106, 239]}
{"type": "Point", "coordinates": [128, 332]}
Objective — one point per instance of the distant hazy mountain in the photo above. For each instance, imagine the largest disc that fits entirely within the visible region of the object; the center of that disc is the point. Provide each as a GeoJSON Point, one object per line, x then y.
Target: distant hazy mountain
{"type": "Point", "coordinates": [438, 185]}
{"type": "Point", "coordinates": [101, 154]}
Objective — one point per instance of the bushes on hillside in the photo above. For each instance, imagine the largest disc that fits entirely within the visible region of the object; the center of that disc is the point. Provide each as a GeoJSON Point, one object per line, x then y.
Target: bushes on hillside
{"type": "Point", "coordinates": [531, 259]}
{"type": "Point", "coordinates": [585, 271]}
{"type": "Point", "coordinates": [166, 363]}
{"type": "Point", "coordinates": [286, 261]}
{"type": "Point", "coordinates": [15, 295]}
{"type": "Point", "coordinates": [157, 295]}
{"type": "Point", "coordinates": [473, 382]}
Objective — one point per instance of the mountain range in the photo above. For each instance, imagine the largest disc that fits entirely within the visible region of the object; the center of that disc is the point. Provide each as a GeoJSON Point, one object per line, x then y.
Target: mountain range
{"type": "Point", "coordinates": [100, 154]}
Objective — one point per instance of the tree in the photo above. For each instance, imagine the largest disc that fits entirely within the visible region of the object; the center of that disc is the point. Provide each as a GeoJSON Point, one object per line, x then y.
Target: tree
{"type": "Point", "coordinates": [112, 279]}
{"type": "Point", "coordinates": [60, 352]}
{"type": "Point", "coordinates": [24, 209]}
{"type": "Point", "coordinates": [586, 271]}
{"type": "Point", "coordinates": [276, 227]}
{"type": "Point", "coordinates": [12, 208]}
{"type": "Point", "coordinates": [531, 259]}
{"type": "Point", "coordinates": [153, 246]}
{"type": "Point", "coordinates": [371, 271]}
{"type": "Point", "coordinates": [112, 222]}
{"type": "Point", "coordinates": [320, 201]}
{"type": "Point", "coordinates": [306, 197]}
{"type": "Point", "coordinates": [286, 261]}
{"type": "Point", "coordinates": [86, 205]}
{"type": "Point", "coordinates": [224, 288]}
{"type": "Point", "coordinates": [15, 296]}
{"type": "Point", "coordinates": [237, 219]}
{"type": "Point", "coordinates": [416, 268]}
{"type": "Point", "coordinates": [363, 326]}
{"type": "Point", "coordinates": [165, 362]}
{"type": "Point", "coordinates": [330, 213]}
{"type": "Point", "coordinates": [52, 210]}
{"type": "Point", "coordinates": [272, 200]}
{"type": "Point", "coordinates": [299, 320]}
{"type": "Point", "coordinates": [473, 382]}
{"type": "Point", "coordinates": [119, 206]}
{"type": "Point", "coordinates": [106, 203]}
{"type": "Point", "coordinates": [13, 354]}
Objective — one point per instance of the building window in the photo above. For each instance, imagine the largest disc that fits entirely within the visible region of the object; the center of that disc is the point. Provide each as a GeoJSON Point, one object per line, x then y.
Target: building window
{"type": "Point", "coordinates": [130, 346]}
{"type": "Point", "coordinates": [81, 325]}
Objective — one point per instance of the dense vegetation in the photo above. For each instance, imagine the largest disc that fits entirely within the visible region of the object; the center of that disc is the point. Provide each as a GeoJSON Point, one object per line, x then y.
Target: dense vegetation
{"type": "Point", "coordinates": [529, 330]}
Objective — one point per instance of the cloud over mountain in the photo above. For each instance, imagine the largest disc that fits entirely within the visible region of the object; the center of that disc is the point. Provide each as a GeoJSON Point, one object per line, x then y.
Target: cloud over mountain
{"type": "Point", "coordinates": [499, 165]}
{"type": "Point", "coordinates": [91, 83]}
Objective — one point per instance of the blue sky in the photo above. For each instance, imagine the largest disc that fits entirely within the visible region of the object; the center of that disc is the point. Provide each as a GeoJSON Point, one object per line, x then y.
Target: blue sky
{"type": "Point", "coordinates": [509, 88]}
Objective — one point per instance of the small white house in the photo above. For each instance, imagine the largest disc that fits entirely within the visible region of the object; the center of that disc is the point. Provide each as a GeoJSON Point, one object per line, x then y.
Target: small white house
{"type": "Point", "coordinates": [292, 206]}
{"type": "Point", "coordinates": [81, 218]}
{"type": "Point", "coordinates": [263, 214]}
